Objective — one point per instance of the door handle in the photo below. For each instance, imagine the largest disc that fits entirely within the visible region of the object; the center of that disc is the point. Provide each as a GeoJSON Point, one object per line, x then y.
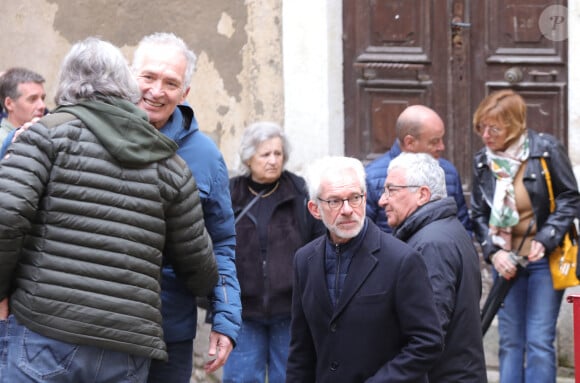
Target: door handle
{"type": "Point", "coordinates": [538, 73]}
{"type": "Point", "coordinates": [457, 27]}
{"type": "Point", "coordinates": [459, 24]}
{"type": "Point", "coordinates": [513, 75]}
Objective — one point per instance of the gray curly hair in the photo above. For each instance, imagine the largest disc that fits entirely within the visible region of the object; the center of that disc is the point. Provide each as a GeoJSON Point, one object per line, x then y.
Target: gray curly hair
{"type": "Point", "coordinates": [95, 70]}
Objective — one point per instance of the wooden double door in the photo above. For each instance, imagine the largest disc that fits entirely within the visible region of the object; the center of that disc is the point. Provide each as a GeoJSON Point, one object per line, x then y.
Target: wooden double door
{"type": "Point", "coordinates": [449, 54]}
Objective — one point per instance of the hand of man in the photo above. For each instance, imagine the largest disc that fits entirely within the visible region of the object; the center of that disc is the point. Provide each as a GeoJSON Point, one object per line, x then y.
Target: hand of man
{"type": "Point", "coordinates": [220, 347]}
{"type": "Point", "coordinates": [4, 311]}
{"type": "Point", "coordinates": [19, 131]}
{"type": "Point", "coordinates": [24, 128]}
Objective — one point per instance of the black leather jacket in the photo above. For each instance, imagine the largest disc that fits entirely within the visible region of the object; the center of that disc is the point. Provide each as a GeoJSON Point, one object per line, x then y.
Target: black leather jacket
{"type": "Point", "coordinates": [552, 227]}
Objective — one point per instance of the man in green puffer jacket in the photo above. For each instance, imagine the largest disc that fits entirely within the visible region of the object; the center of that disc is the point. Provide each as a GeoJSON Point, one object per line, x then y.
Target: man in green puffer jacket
{"type": "Point", "coordinates": [90, 197]}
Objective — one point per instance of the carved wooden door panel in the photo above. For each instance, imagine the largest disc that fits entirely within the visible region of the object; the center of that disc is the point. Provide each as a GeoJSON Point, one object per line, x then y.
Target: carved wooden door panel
{"type": "Point", "coordinates": [522, 45]}
{"type": "Point", "coordinates": [395, 55]}
{"type": "Point", "coordinates": [448, 54]}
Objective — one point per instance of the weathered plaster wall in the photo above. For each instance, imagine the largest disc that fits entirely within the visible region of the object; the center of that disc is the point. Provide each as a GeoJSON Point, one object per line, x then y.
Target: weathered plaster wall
{"type": "Point", "coordinates": [257, 60]}
{"type": "Point", "coordinates": [238, 43]}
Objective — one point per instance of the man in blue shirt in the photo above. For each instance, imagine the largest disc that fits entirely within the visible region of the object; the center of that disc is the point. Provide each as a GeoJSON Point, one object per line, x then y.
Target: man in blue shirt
{"type": "Point", "coordinates": [419, 129]}
{"type": "Point", "coordinates": [21, 99]}
{"type": "Point", "coordinates": [164, 65]}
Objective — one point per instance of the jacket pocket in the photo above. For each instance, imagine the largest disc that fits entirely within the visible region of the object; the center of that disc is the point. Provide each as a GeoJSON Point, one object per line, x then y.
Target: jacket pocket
{"type": "Point", "coordinates": [372, 298]}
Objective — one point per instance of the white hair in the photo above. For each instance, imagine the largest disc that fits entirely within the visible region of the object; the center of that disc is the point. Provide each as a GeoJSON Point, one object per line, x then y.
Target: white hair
{"type": "Point", "coordinates": [324, 166]}
{"type": "Point", "coordinates": [422, 169]}
{"type": "Point", "coordinates": [169, 39]}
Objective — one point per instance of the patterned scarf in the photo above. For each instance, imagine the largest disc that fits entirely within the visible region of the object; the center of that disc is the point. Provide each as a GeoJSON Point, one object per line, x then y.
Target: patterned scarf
{"type": "Point", "coordinates": [504, 166]}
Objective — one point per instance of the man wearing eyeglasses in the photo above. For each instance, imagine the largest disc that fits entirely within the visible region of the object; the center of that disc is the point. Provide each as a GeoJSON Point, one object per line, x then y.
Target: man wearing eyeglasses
{"type": "Point", "coordinates": [362, 304]}
{"type": "Point", "coordinates": [419, 129]}
{"type": "Point", "coordinates": [417, 208]}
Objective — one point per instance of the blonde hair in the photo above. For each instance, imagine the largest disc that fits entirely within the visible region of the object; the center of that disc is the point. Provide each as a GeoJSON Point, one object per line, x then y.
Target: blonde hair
{"type": "Point", "coordinates": [505, 106]}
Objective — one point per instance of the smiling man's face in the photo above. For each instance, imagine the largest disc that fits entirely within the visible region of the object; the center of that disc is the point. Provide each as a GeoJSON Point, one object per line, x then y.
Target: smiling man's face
{"type": "Point", "coordinates": [161, 74]}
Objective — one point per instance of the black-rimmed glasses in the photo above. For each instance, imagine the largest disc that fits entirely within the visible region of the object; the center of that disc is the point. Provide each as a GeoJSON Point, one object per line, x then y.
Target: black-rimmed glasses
{"type": "Point", "coordinates": [337, 203]}
{"type": "Point", "coordinates": [387, 190]}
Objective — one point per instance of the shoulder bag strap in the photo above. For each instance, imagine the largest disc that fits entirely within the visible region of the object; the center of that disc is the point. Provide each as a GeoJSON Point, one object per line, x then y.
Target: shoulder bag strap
{"type": "Point", "coordinates": [573, 232]}
{"type": "Point", "coordinates": [248, 206]}
{"type": "Point", "coordinates": [549, 184]}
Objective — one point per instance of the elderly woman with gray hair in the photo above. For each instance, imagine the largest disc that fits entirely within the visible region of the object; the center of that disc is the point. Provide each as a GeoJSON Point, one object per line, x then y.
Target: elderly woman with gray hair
{"type": "Point", "coordinates": [272, 222]}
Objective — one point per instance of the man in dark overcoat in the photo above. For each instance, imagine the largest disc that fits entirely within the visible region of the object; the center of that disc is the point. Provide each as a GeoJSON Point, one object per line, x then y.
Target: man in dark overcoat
{"type": "Point", "coordinates": [417, 207]}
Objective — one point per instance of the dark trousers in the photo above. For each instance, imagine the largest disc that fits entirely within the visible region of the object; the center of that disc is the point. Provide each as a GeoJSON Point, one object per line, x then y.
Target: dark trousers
{"type": "Point", "coordinates": [178, 368]}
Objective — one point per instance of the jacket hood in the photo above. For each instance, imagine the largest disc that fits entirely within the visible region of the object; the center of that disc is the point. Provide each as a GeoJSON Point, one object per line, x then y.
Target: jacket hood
{"type": "Point", "coordinates": [188, 117]}
{"type": "Point", "coordinates": [123, 129]}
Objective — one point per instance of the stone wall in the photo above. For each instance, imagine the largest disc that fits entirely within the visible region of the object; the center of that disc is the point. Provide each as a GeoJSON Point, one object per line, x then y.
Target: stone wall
{"type": "Point", "coordinates": [238, 43]}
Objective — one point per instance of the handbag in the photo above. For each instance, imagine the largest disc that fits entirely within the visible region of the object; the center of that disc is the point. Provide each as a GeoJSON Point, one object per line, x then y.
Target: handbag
{"type": "Point", "coordinates": [564, 259]}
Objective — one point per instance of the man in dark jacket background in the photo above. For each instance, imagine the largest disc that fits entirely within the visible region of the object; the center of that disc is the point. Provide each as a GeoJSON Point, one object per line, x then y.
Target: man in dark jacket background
{"type": "Point", "coordinates": [417, 207]}
{"type": "Point", "coordinates": [419, 130]}
{"type": "Point", "coordinates": [90, 197]}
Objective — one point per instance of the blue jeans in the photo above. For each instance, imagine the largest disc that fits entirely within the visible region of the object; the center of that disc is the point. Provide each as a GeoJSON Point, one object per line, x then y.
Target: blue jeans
{"type": "Point", "coordinates": [178, 368]}
{"type": "Point", "coordinates": [261, 344]}
{"type": "Point", "coordinates": [28, 357]}
{"type": "Point", "coordinates": [527, 327]}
